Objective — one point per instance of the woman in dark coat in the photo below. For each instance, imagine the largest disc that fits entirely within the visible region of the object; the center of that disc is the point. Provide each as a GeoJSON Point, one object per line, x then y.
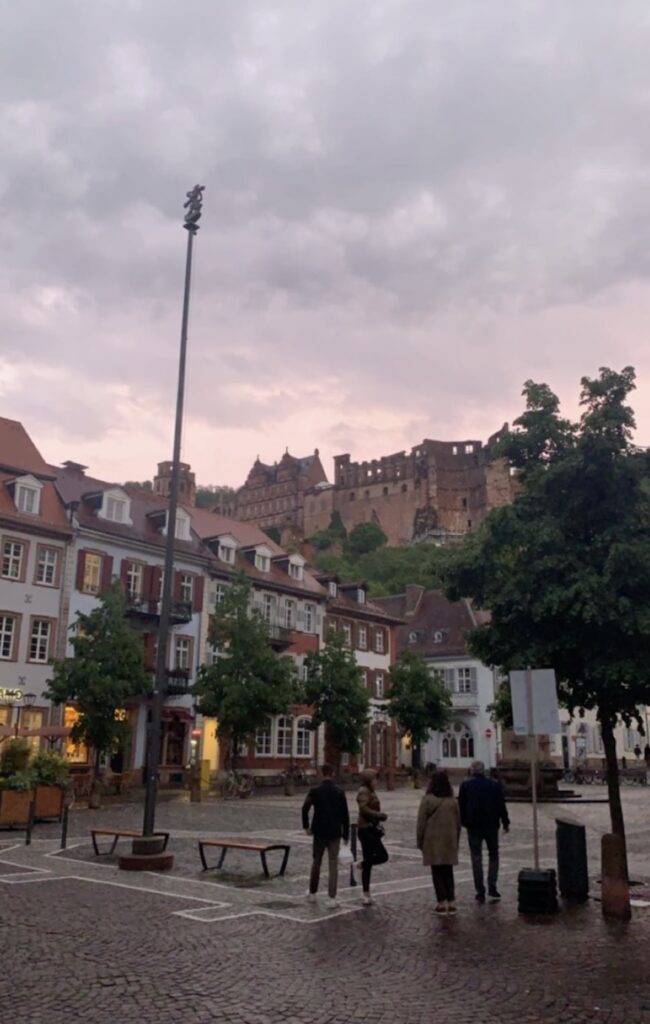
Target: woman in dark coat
{"type": "Point", "coordinates": [438, 831]}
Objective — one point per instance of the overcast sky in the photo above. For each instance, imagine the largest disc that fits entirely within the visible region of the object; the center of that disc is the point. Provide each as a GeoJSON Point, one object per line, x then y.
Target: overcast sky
{"type": "Point", "coordinates": [411, 207]}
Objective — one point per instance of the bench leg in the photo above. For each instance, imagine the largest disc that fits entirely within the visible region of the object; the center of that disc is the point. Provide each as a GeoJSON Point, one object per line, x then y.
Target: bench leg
{"type": "Point", "coordinates": [222, 857]}
{"type": "Point", "coordinates": [165, 836]}
{"type": "Point", "coordinates": [285, 859]}
{"type": "Point", "coordinates": [264, 865]}
{"type": "Point", "coordinates": [203, 860]}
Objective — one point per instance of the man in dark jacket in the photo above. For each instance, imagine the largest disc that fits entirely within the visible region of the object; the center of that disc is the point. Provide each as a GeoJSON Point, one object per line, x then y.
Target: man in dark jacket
{"type": "Point", "coordinates": [330, 823]}
{"type": "Point", "coordinates": [482, 810]}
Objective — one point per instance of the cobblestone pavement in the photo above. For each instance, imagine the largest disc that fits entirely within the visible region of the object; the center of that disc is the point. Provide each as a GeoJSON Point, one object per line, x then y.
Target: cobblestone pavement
{"type": "Point", "coordinates": [87, 942]}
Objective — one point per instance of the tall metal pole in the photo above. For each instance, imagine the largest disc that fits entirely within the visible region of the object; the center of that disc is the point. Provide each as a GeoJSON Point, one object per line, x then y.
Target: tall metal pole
{"type": "Point", "coordinates": [192, 216]}
{"type": "Point", "coordinates": [532, 747]}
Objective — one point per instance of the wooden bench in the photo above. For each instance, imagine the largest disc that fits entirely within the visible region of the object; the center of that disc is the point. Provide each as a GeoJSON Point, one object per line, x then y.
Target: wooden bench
{"type": "Point", "coordinates": [120, 833]}
{"type": "Point", "coordinates": [244, 844]}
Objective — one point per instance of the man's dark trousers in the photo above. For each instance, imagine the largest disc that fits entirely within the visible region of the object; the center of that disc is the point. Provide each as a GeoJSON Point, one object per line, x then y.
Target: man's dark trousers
{"type": "Point", "coordinates": [491, 839]}
{"type": "Point", "coordinates": [332, 846]}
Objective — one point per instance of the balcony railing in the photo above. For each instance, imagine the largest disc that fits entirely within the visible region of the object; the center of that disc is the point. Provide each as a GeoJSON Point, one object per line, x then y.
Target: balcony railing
{"type": "Point", "coordinates": [279, 636]}
{"type": "Point", "coordinates": [465, 700]}
{"type": "Point", "coordinates": [178, 682]}
{"type": "Point", "coordinates": [149, 608]}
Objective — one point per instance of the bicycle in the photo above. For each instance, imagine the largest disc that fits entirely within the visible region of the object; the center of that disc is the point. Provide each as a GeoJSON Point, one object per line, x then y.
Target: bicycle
{"type": "Point", "coordinates": [236, 785]}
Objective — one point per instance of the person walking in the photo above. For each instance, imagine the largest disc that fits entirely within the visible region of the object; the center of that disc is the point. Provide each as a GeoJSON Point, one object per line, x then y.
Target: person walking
{"type": "Point", "coordinates": [329, 825]}
{"type": "Point", "coordinates": [369, 831]}
{"type": "Point", "coordinates": [482, 810]}
{"type": "Point", "coordinates": [438, 832]}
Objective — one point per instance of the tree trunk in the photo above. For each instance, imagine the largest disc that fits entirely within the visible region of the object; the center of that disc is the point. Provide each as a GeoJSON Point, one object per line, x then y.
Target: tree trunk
{"type": "Point", "coordinates": [94, 798]}
{"type": "Point", "coordinates": [613, 781]}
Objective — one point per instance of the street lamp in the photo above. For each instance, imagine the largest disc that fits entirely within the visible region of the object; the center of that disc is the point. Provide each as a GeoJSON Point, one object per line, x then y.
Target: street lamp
{"type": "Point", "coordinates": [17, 699]}
{"type": "Point", "coordinates": [191, 219]}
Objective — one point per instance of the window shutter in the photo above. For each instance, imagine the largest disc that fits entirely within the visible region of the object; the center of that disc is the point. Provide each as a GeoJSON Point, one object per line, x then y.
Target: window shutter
{"type": "Point", "coordinates": [473, 679]}
{"type": "Point", "coordinates": [150, 650]}
{"type": "Point", "coordinates": [198, 594]}
{"type": "Point", "coordinates": [124, 572]}
{"type": "Point", "coordinates": [155, 574]}
{"type": "Point", "coordinates": [81, 565]}
{"type": "Point", "coordinates": [107, 571]}
{"type": "Point", "coordinates": [370, 681]}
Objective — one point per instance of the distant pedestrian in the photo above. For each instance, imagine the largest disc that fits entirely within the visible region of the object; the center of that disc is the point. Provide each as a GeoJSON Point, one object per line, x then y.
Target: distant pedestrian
{"type": "Point", "coordinates": [369, 831]}
{"type": "Point", "coordinates": [438, 831]}
{"type": "Point", "coordinates": [329, 825]}
{"type": "Point", "coordinates": [482, 810]}
{"type": "Point", "coordinates": [637, 751]}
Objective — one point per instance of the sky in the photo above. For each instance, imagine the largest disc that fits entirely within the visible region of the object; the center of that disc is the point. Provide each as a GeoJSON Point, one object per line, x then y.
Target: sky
{"type": "Point", "coordinates": [411, 207]}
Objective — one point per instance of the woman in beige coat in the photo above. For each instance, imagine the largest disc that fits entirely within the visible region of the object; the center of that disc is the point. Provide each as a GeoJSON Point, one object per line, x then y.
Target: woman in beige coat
{"type": "Point", "coordinates": [438, 832]}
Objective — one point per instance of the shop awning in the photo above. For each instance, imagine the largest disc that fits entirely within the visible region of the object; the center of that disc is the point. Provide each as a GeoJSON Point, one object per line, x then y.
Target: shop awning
{"type": "Point", "coordinates": [184, 714]}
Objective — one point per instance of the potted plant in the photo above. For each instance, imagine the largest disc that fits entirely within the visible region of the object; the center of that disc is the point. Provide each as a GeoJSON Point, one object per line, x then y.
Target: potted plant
{"type": "Point", "coordinates": [16, 784]}
{"type": "Point", "coordinates": [51, 773]}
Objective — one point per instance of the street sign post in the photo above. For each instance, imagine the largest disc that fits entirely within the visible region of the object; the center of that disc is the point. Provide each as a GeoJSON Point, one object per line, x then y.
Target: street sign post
{"type": "Point", "coordinates": [534, 713]}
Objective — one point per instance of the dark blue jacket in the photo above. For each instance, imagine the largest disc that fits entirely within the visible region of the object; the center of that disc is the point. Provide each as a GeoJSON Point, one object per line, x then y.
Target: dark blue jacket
{"type": "Point", "coordinates": [331, 819]}
{"type": "Point", "coordinates": [482, 805]}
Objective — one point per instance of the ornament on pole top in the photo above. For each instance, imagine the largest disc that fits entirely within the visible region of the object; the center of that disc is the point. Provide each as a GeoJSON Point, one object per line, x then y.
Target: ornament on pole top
{"type": "Point", "coordinates": [193, 206]}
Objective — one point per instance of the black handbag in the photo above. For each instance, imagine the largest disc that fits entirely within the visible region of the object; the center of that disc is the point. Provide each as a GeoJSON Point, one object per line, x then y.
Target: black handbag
{"type": "Point", "coordinates": [379, 852]}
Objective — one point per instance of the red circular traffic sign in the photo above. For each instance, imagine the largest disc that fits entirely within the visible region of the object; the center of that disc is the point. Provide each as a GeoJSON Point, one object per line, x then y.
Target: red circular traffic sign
{"type": "Point", "coordinates": [488, 734]}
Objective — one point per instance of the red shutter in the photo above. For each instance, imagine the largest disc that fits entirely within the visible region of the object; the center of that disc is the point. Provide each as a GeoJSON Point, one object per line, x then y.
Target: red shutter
{"type": "Point", "coordinates": [150, 650]}
{"type": "Point", "coordinates": [146, 582]}
{"type": "Point", "coordinates": [370, 681]}
{"type": "Point", "coordinates": [107, 572]}
{"type": "Point", "coordinates": [154, 581]}
{"type": "Point", "coordinates": [176, 592]}
{"type": "Point", "coordinates": [81, 566]}
{"type": "Point", "coordinates": [198, 594]}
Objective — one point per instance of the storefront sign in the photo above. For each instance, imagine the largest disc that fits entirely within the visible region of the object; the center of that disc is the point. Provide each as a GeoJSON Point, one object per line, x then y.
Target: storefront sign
{"type": "Point", "coordinates": [10, 694]}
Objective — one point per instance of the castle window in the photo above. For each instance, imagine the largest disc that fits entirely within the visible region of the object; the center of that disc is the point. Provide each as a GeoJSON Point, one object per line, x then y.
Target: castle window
{"type": "Point", "coordinates": [454, 449]}
{"type": "Point", "coordinates": [469, 448]}
{"type": "Point", "coordinates": [469, 523]}
{"type": "Point", "coordinates": [367, 494]}
{"type": "Point", "coordinates": [404, 488]}
{"type": "Point", "coordinates": [352, 495]}
{"type": "Point", "coordinates": [464, 502]}
{"type": "Point", "coordinates": [385, 492]}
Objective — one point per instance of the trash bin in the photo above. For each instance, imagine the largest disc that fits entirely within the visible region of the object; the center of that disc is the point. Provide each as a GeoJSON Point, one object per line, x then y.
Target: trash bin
{"type": "Point", "coordinates": [573, 873]}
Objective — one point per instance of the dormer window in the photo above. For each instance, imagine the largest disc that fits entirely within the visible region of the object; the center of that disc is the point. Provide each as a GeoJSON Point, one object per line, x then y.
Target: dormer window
{"type": "Point", "coordinates": [262, 562]}
{"type": "Point", "coordinates": [332, 588]}
{"type": "Point", "coordinates": [182, 527]}
{"type": "Point", "coordinates": [227, 546]}
{"type": "Point", "coordinates": [296, 567]}
{"type": "Point", "coordinates": [116, 507]}
{"type": "Point", "coordinates": [361, 596]}
{"type": "Point", "coordinates": [27, 495]}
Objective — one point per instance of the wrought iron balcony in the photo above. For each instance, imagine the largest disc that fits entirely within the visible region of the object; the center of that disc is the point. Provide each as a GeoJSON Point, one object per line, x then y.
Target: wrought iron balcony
{"type": "Point", "coordinates": [465, 701]}
{"type": "Point", "coordinates": [279, 636]}
{"type": "Point", "coordinates": [149, 608]}
{"type": "Point", "coordinates": [178, 682]}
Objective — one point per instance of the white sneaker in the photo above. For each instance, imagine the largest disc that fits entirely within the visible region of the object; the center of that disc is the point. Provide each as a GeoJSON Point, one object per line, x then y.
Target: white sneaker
{"type": "Point", "coordinates": [367, 900]}
{"type": "Point", "coordinates": [332, 903]}
{"type": "Point", "coordinates": [311, 897]}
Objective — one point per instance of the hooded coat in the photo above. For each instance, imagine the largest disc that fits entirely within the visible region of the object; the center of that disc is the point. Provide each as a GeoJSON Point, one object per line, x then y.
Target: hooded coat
{"type": "Point", "coordinates": [438, 830]}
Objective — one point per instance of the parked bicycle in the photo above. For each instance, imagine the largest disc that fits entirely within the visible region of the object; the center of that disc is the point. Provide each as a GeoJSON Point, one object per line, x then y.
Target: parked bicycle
{"type": "Point", "coordinates": [237, 785]}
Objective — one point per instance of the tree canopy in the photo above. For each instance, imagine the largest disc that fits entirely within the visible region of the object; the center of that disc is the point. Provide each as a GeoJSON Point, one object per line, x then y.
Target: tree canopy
{"type": "Point", "coordinates": [364, 538]}
{"type": "Point", "coordinates": [334, 688]}
{"type": "Point", "coordinates": [418, 699]}
{"type": "Point", "coordinates": [388, 570]}
{"type": "Point", "coordinates": [565, 569]}
{"type": "Point", "coordinates": [248, 682]}
{"type": "Point", "coordinates": [104, 673]}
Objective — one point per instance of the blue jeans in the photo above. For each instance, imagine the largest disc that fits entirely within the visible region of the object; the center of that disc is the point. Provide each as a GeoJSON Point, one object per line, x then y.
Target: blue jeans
{"type": "Point", "coordinates": [476, 839]}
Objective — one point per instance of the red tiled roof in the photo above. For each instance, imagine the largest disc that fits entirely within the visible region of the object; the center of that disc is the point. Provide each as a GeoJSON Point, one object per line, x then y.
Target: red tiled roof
{"type": "Point", "coordinates": [209, 524]}
{"type": "Point", "coordinates": [344, 605]}
{"type": "Point", "coordinates": [437, 629]}
{"type": "Point", "coordinates": [18, 452]}
{"type": "Point", "coordinates": [52, 513]}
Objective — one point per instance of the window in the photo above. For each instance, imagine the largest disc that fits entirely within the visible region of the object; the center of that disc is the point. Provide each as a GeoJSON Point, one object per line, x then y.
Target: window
{"type": "Point", "coordinates": [352, 495]}
{"type": "Point", "coordinates": [332, 588]}
{"type": "Point", "coordinates": [467, 745]}
{"type": "Point", "coordinates": [362, 638]}
{"type": "Point", "coordinates": [13, 557]}
{"type": "Point", "coordinates": [115, 509]}
{"type": "Point", "coordinates": [364, 678]}
{"type": "Point", "coordinates": [379, 686]}
{"type": "Point", "coordinates": [467, 680]}
{"type": "Point", "coordinates": [27, 499]}
{"type": "Point", "coordinates": [268, 607]}
{"type": "Point", "coordinates": [92, 577]}
{"type": "Point", "coordinates": [309, 618]}
{"type": "Point", "coordinates": [226, 553]}
{"type": "Point", "coordinates": [290, 614]}
{"type": "Point", "coordinates": [295, 571]}
{"type": "Point", "coordinates": [346, 629]}
{"type": "Point", "coordinates": [380, 644]}
{"type": "Point", "coordinates": [303, 737]}
{"type": "Point", "coordinates": [263, 740]}
{"type": "Point", "coordinates": [262, 562]}
{"type": "Point", "coordinates": [75, 752]}
{"type": "Point", "coordinates": [361, 596]}
{"type": "Point", "coordinates": [448, 678]}
{"type": "Point", "coordinates": [219, 593]}
{"type": "Point", "coordinates": [39, 643]}
{"type": "Point", "coordinates": [183, 652]}
{"type": "Point", "coordinates": [385, 492]}
{"type": "Point", "coordinates": [46, 567]}
{"type": "Point", "coordinates": [285, 735]}
{"type": "Point", "coordinates": [7, 634]}
{"type": "Point", "coordinates": [134, 575]}
{"type": "Point", "coordinates": [187, 587]}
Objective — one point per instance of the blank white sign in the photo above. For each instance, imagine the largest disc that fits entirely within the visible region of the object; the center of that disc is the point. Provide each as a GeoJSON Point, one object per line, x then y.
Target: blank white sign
{"type": "Point", "coordinates": [546, 715]}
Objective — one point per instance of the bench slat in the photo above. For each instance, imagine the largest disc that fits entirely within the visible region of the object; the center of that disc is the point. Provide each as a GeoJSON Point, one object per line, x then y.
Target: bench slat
{"type": "Point", "coordinates": [243, 845]}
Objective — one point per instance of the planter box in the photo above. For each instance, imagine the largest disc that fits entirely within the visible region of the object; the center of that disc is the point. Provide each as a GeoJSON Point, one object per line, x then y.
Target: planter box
{"type": "Point", "coordinates": [15, 807]}
{"type": "Point", "coordinates": [49, 802]}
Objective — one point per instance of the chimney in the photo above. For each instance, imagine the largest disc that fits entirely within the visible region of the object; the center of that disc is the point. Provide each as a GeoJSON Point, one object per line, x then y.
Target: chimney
{"type": "Point", "coordinates": [75, 467]}
{"type": "Point", "coordinates": [414, 594]}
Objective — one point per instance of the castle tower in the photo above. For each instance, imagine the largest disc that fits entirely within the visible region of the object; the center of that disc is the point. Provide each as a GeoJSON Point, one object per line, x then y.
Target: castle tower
{"type": "Point", "coordinates": [186, 484]}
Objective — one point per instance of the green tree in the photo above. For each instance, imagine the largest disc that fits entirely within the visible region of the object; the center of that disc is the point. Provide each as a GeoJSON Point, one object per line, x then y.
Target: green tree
{"type": "Point", "coordinates": [140, 485]}
{"type": "Point", "coordinates": [565, 569]}
{"type": "Point", "coordinates": [364, 538]}
{"type": "Point", "coordinates": [334, 688]}
{"type": "Point", "coordinates": [500, 710]}
{"type": "Point", "coordinates": [248, 682]}
{"type": "Point", "coordinates": [213, 494]}
{"type": "Point", "coordinates": [105, 672]}
{"type": "Point", "coordinates": [418, 700]}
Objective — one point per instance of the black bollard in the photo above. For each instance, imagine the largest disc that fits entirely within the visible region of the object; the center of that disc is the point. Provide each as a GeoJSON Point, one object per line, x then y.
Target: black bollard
{"type": "Point", "coordinates": [64, 826]}
{"type": "Point", "coordinates": [573, 872]}
{"type": "Point", "coordinates": [353, 849]}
